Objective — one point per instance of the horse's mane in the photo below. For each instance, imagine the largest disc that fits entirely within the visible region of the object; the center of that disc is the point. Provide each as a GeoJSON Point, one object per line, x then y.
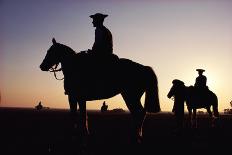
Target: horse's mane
{"type": "Point", "coordinates": [67, 49]}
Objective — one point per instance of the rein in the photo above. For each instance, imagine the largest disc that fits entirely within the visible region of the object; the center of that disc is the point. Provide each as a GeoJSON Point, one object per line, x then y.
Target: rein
{"type": "Point", "coordinates": [54, 70]}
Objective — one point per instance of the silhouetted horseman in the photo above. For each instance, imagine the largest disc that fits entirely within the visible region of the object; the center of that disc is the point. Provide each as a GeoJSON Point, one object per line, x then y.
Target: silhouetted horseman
{"type": "Point", "coordinates": [103, 39]}
{"type": "Point", "coordinates": [200, 84]}
{"type": "Point", "coordinates": [124, 76]}
{"type": "Point", "coordinates": [80, 86]}
{"type": "Point", "coordinates": [195, 99]}
{"type": "Point", "coordinates": [201, 80]}
{"type": "Point", "coordinates": [101, 55]}
{"type": "Point", "coordinates": [103, 44]}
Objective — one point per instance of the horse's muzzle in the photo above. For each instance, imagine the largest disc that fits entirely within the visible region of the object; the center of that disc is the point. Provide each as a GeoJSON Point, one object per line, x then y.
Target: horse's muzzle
{"type": "Point", "coordinates": [43, 68]}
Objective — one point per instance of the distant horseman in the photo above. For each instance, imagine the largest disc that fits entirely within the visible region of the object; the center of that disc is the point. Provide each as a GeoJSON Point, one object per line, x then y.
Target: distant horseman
{"type": "Point", "coordinates": [201, 80]}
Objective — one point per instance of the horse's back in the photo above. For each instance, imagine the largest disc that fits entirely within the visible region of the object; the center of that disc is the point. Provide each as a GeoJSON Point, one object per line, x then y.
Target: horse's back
{"type": "Point", "coordinates": [130, 66]}
{"type": "Point", "coordinates": [201, 98]}
{"type": "Point", "coordinates": [105, 63]}
{"type": "Point", "coordinates": [135, 70]}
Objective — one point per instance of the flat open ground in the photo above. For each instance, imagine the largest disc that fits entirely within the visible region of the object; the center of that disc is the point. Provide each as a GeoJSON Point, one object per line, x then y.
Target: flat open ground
{"type": "Point", "coordinates": [29, 131]}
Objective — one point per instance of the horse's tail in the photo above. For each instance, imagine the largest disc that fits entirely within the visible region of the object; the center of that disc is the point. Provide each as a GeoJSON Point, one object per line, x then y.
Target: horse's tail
{"type": "Point", "coordinates": [152, 93]}
{"type": "Point", "coordinates": [215, 105]}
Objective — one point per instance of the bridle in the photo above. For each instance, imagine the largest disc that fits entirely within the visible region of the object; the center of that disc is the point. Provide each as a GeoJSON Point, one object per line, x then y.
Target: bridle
{"type": "Point", "coordinates": [54, 70]}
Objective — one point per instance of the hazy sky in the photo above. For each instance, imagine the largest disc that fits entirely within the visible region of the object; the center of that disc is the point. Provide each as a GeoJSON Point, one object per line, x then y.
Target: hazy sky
{"type": "Point", "coordinates": [175, 37]}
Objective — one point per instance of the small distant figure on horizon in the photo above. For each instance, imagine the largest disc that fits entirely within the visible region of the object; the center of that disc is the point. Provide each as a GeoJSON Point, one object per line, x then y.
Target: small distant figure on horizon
{"type": "Point", "coordinates": [178, 107]}
{"type": "Point", "coordinates": [39, 106]}
{"type": "Point", "coordinates": [118, 110]}
{"type": "Point", "coordinates": [104, 107]}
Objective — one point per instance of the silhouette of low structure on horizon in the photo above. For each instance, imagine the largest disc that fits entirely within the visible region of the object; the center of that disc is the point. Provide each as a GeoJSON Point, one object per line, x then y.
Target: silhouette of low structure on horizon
{"type": "Point", "coordinates": [227, 111]}
{"type": "Point", "coordinates": [200, 112]}
{"type": "Point", "coordinates": [117, 110]}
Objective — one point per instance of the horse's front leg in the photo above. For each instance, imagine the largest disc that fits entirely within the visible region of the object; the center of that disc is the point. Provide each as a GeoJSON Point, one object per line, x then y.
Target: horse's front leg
{"type": "Point", "coordinates": [189, 118]}
{"type": "Point", "coordinates": [83, 118]}
{"type": "Point", "coordinates": [73, 109]}
{"type": "Point", "coordinates": [72, 103]}
{"type": "Point", "coordinates": [211, 116]}
{"type": "Point", "coordinates": [194, 118]}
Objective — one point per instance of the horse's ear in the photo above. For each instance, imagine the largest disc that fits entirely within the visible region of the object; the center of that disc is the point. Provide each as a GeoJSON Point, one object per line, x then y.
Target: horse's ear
{"type": "Point", "coordinates": [53, 41]}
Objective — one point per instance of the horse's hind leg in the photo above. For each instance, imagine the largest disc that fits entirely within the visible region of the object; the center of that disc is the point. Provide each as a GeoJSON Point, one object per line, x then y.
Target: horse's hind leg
{"type": "Point", "coordinates": [189, 118]}
{"type": "Point", "coordinates": [210, 116]}
{"type": "Point", "coordinates": [216, 116]}
{"type": "Point", "coordinates": [83, 118]}
{"type": "Point", "coordinates": [138, 113]}
{"type": "Point", "coordinates": [84, 131]}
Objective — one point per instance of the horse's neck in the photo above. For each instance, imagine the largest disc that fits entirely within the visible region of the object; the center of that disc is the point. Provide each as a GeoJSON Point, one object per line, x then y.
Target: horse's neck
{"type": "Point", "coordinates": [67, 60]}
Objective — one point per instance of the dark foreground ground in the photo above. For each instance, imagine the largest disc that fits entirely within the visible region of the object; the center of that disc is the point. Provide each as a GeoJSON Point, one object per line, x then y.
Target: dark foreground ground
{"type": "Point", "coordinates": [28, 131]}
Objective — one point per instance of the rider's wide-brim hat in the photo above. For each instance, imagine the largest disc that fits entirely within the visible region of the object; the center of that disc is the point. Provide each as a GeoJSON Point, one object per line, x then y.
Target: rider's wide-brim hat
{"type": "Point", "coordinates": [98, 16]}
{"type": "Point", "coordinates": [200, 70]}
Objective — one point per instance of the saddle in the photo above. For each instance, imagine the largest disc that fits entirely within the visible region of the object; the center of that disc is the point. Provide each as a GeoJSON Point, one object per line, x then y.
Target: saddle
{"type": "Point", "coordinates": [93, 69]}
{"type": "Point", "coordinates": [201, 95]}
{"type": "Point", "coordinates": [102, 63]}
{"type": "Point", "coordinates": [99, 65]}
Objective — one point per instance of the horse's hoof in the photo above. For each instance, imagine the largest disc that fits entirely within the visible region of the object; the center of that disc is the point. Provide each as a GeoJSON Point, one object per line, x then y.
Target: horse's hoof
{"type": "Point", "coordinates": [139, 140]}
{"type": "Point", "coordinates": [177, 132]}
{"type": "Point", "coordinates": [75, 126]}
{"type": "Point", "coordinates": [84, 141]}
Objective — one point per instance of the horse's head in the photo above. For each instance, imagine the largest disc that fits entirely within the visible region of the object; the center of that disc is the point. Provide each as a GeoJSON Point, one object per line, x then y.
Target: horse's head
{"type": "Point", "coordinates": [177, 86]}
{"type": "Point", "coordinates": [52, 57]}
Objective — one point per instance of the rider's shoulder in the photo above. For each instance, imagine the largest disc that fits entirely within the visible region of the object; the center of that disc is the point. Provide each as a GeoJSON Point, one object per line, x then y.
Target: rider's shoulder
{"type": "Point", "coordinates": [105, 29]}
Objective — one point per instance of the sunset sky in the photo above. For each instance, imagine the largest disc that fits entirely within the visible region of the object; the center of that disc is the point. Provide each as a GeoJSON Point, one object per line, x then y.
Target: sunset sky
{"type": "Point", "coordinates": [174, 37]}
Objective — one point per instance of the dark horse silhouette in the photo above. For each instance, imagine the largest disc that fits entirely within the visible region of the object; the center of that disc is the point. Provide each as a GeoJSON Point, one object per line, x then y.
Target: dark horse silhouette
{"type": "Point", "coordinates": [196, 99]}
{"type": "Point", "coordinates": [83, 81]}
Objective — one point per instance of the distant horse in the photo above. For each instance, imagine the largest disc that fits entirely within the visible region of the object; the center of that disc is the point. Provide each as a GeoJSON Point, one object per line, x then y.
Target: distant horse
{"type": "Point", "coordinates": [85, 80]}
{"type": "Point", "coordinates": [196, 99]}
